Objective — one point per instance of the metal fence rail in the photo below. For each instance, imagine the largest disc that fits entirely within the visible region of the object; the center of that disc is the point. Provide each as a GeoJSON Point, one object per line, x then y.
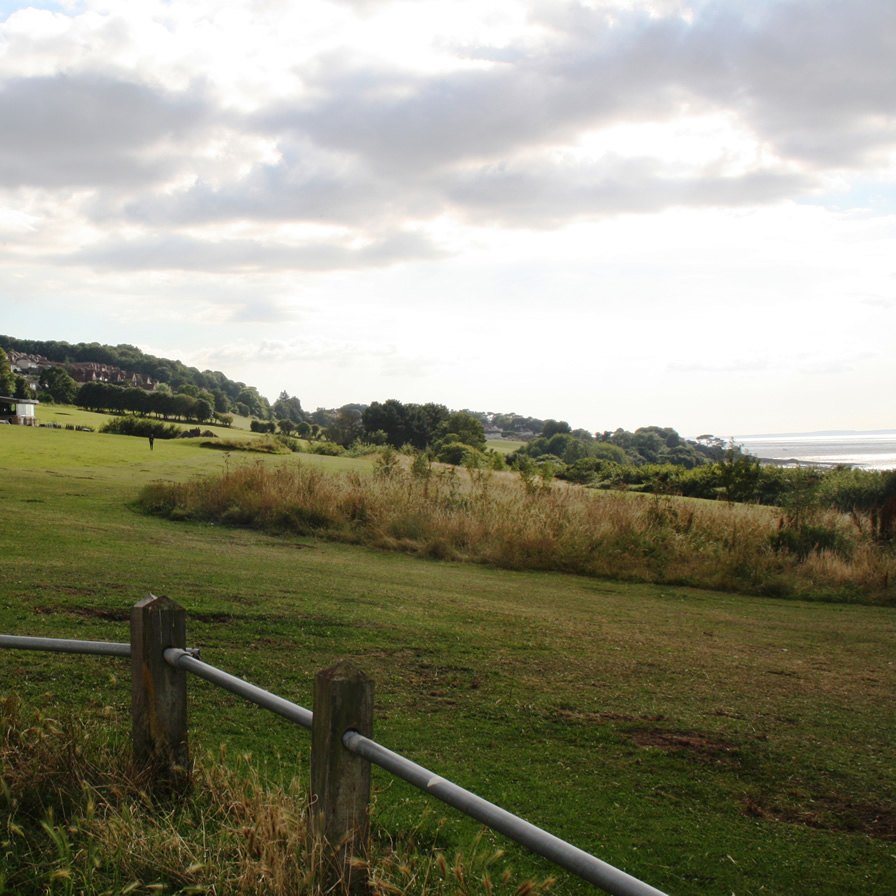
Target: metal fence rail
{"type": "Point", "coordinates": [64, 645]}
{"type": "Point", "coordinates": [579, 862]}
{"type": "Point", "coordinates": [182, 659]}
{"type": "Point", "coordinates": [586, 866]}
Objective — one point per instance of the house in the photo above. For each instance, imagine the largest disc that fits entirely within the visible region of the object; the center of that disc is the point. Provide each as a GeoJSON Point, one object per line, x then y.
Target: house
{"type": "Point", "coordinates": [18, 410]}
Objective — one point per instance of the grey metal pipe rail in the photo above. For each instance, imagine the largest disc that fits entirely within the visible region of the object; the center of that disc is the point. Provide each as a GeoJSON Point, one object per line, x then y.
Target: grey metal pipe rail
{"type": "Point", "coordinates": [609, 878]}
{"type": "Point", "coordinates": [579, 862]}
{"type": "Point", "coordinates": [183, 659]}
{"type": "Point", "coordinates": [65, 645]}
{"type": "Point", "coordinates": [583, 864]}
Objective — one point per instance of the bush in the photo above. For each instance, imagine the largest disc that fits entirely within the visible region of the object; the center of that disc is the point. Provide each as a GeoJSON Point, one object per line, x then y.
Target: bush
{"type": "Point", "coordinates": [328, 449]}
{"type": "Point", "coordinates": [139, 426]}
{"type": "Point", "coordinates": [803, 539]}
{"type": "Point", "coordinates": [259, 446]}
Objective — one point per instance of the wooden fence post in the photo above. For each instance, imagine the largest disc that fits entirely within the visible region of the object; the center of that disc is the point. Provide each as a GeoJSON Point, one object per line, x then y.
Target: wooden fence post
{"type": "Point", "coordinates": [159, 694]}
{"type": "Point", "coordinates": [340, 781]}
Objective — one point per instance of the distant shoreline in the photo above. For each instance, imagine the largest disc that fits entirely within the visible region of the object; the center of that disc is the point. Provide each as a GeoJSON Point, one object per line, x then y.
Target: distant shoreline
{"type": "Point", "coordinates": [822, 433]}
{"type": "Point", "coordinates": [869, 450]}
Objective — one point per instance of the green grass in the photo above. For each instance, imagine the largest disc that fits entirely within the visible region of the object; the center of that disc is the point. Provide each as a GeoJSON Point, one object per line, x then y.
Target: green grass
{"type": "Point", "coordinates": [505, 446]}
{"type": "Point", "coordinates": [706, 742]}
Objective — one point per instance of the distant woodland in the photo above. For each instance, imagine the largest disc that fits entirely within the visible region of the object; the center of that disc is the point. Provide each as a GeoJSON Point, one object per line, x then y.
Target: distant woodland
{"type": "Point", "coordinates": [124, 379]}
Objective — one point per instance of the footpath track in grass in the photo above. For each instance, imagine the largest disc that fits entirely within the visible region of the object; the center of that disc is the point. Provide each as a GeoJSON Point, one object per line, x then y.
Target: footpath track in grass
{"type": "Point", "coordinates": [706, 742]}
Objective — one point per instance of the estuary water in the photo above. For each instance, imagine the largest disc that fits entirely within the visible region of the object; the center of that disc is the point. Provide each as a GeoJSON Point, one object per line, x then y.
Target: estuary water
{"type": "Point", "coordinates": [867, 450]}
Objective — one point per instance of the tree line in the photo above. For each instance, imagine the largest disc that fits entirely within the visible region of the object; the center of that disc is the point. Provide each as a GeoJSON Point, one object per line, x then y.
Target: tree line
{"type": "Point", "coordinates": [186, 405]}
{"type": "Point", "coordinates": [225, 395]}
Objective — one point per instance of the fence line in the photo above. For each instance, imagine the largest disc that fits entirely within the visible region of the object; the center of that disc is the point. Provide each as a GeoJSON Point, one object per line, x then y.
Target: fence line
{"type": "Point", "coordinates": [168, 758]}
{"type": "Point", "coordinates": [292, 711]}
{"type": "Point", "coordinates": [64, 645]}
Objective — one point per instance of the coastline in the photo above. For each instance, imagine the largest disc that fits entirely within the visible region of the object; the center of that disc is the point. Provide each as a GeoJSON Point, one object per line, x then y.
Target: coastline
{"type": "Point", "coordinates": [872, 450]}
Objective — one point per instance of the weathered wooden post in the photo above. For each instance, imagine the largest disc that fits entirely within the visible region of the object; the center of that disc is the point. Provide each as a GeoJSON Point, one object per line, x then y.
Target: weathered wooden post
{"type": "Point", "coordinates": [159, 694]}
{"type": "Point", "coordinates": [340, 781]}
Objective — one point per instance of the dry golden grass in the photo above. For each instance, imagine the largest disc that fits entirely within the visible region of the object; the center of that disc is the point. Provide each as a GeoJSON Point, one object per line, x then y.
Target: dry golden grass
{"type": "Point", "coordinates": [499, 519]}
{"type": "Point", "coordinates": [79, 821]}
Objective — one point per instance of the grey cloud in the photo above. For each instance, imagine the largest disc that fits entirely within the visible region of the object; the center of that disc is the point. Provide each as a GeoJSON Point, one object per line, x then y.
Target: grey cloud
{"type": "Point", "coordinates": [186, 254]}
{"type": "Point", "coordinates": [829, 94]}
{"type": "Point", "coordinates": [372, 147]}
{"type": "Point", "coordinates": [305, 185]}
{"type": "Point", "coordinates": [523, 195]}
{"type": "Point", "coordinates": [88, 130]}
{"type": "Point", "coordinates": [430, 123]}
{"type": "Point", "coordinates": [815, 79]}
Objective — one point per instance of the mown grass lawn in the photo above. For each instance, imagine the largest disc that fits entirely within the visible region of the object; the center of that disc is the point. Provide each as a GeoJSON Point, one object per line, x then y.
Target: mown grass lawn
{"type": "Point", "coordinates": [705, 742]}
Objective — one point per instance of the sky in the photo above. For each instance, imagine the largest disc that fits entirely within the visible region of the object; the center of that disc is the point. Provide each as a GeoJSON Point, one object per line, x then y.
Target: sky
{"type": "Point", "coordinates": [619, 212]}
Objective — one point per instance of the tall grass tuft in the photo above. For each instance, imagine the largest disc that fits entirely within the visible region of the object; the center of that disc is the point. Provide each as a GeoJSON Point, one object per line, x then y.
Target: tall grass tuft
{"type": "Point", "coordinates": [533, 524]}
{"type": "Point", "coordinates": [76, 820]}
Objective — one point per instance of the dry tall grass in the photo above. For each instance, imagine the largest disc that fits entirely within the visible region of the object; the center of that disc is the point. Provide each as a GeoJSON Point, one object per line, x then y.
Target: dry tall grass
{"type": "Point", "coordinates": [497, 518]}
{"type": "Point", "coordinates": [77, 821]}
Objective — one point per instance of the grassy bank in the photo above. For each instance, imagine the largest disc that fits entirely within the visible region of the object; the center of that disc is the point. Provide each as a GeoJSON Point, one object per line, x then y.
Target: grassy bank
{"type": "Point", "coordinates": [706, 742]}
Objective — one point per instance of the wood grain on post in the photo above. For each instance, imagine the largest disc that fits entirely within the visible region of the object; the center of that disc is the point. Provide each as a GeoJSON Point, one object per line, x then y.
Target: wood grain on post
{"type": "Point", "coordinates": [340, 781]}
{"type": "Point", "coordinates": [159, 694]}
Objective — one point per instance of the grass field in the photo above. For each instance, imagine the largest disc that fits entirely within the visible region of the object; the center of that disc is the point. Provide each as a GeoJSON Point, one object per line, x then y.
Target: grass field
{"type": "Point", "coordinates": [705, 742]}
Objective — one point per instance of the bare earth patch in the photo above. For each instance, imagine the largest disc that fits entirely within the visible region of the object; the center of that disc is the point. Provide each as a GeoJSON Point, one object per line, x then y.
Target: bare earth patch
{"type": "Point", "coordinates": [830, 813]}
{"type": "Point", "coordinates": [698, 746]}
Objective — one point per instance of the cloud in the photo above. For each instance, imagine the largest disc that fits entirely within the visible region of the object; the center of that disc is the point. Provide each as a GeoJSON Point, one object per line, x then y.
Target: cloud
{"type": "Point", "coordinates": [545, 194]}
{"type": "Point", "coordinates": [183, 253]}
{"type": "Point", "coordinates": [576, 118]}
{"type": "Point", "coordinates": [91, 130]}
{"type": "Point", "coordinates": [303, 184]}
{"type": "Point", "coordinates": [813, 79]}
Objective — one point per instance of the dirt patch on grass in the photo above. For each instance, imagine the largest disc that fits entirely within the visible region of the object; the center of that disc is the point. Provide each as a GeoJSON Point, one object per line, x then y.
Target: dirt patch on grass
{"type": "Point", "coordinates": [111, 615]}
{"type": "Point", "coordinates": [829, 813]}
{"type": "Point", "coordinates": [698, 746]}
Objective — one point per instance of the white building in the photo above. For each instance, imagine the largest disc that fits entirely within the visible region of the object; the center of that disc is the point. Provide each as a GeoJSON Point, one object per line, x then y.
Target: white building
{"type": "Point", "coordinates": [18, 410]}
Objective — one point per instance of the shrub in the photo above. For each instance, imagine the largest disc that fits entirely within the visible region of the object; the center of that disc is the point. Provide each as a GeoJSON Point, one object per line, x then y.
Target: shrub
{"type": "Point", "coordinates": [328, 449]}
{"type": "Point", "coordinates": [139, 426]}
{"type": "Point", "coordinates": [804, 538]}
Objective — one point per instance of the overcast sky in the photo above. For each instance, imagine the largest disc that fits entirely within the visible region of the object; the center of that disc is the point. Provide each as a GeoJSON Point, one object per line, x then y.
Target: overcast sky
{"type": "Point", "coordinates": [617, 212]}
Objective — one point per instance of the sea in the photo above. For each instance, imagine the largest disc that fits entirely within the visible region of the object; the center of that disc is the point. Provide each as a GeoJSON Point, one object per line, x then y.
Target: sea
{"type": "Point", "coordinates": [865, 450]}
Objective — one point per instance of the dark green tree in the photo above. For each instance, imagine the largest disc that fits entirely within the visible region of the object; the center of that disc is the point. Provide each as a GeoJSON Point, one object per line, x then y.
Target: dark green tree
{"type": "Point", "coordinates": [552, 427]}
{"type": "Point", "coordinates": [55, 384]}
{"type": "Point", "coordinates": [288, 407]}
{"type": "Point", "coordinates": [7, 379]}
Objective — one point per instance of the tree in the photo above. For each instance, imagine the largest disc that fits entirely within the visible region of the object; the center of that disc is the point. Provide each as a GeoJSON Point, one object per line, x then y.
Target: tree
{"type": "Point", "coordinates": [347, 426]}
{"type": "Point", "coordinates": [288, 407]}
{"type": "Point", "coordinates": [7, 379]}
{"type": "Point", "coordinates": [203, 410]}
{"type": "Point", "coordinates": [739, 475]}
{"type": "Point", "coordinates": [256, 404]}
{"type": "Point", "coordinates": [552, 427]}
{"type": "Point", "coordinates": [56, 384]}
{"type": "Point", "coordinates": [463, 427]}
{"type": "Point", "coordinates": [390, 417]}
